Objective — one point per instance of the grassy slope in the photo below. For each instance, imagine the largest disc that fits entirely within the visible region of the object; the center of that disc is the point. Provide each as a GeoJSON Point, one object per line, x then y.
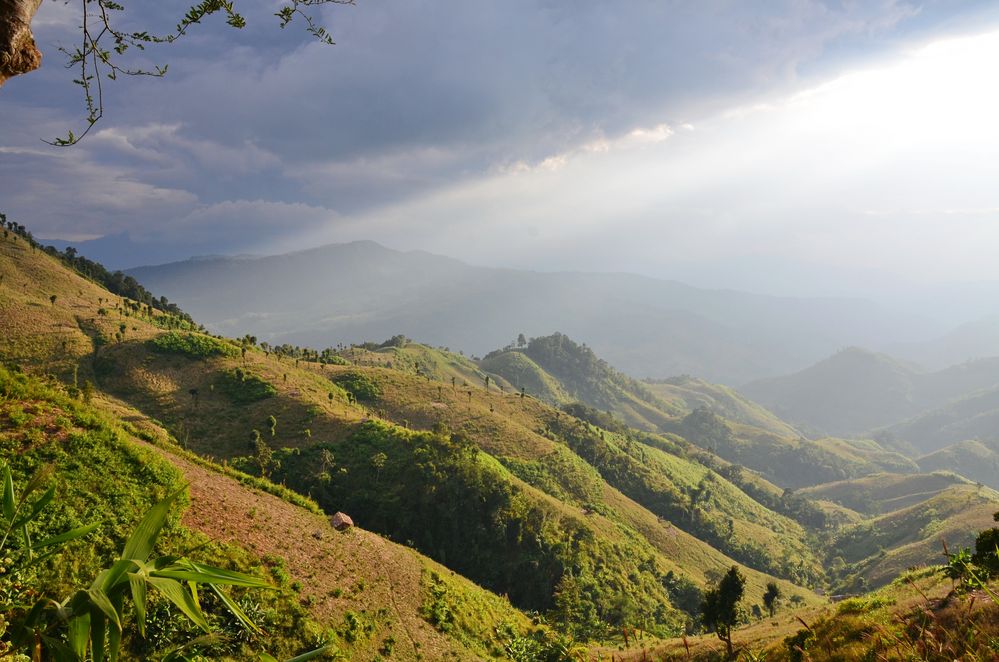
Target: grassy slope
{"type": "Point", "coordinates": [158, 385]}
{"type": "Point", "coordinates": [904, 620]}
{"type": "Point", "coordinates": [690, 393]}
{"type": "Point", "coordinates": [388, 604]}
{"type": "Point", "coordinates": [883, 547]}
{"type": "Point", "coordinates": [976, 460]}
{"type": "Point", "coordinates": [883, 493]}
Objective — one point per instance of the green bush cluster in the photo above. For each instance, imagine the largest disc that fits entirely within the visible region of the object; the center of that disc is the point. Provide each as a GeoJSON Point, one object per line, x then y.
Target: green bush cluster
{"type": "Point", "coordinates": [195, 345]}
{"type": "Point", "coordinates": [243, 387]}
{"type": "Point", "coordinates": [359, 385]}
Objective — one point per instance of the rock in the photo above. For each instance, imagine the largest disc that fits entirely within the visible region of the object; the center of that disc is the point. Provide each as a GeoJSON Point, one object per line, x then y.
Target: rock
{"type": "Point", "coordinates": [341, 521]}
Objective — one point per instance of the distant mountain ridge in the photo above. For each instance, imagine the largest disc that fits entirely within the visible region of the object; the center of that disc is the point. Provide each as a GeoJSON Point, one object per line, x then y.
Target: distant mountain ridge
{"type": "Point", "coordinates": [857, 391]}
{"type": "Point", "coordinates": [648, 328]}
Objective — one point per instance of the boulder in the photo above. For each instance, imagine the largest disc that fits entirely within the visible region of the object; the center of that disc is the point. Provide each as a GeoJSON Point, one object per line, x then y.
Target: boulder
{"type": "Point", "coordinates": [341, 521]}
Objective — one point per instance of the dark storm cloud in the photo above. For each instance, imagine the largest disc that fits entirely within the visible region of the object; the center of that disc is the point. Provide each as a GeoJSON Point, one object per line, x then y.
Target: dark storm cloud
{"type": "Point", "coordinates": [416, 95]}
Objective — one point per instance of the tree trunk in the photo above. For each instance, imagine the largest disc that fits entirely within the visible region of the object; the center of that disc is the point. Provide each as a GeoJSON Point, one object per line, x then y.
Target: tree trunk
{"type": "Point", "coordinates": [18, 53]}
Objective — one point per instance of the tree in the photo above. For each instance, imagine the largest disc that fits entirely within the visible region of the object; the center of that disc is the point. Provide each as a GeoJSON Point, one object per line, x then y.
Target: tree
{"type": "Point", "coordinates": [521, 340]}
{"type": "Point", "coordinates": [98, 56]}
{"type": "Point", "coordinates": [264, 457]}
{"type": "Point", "coordinates": [719, 611]}
{"type": "Point", "coordinates": [986, 554]}
{"type": "Point", "coordinates": [771, 597]}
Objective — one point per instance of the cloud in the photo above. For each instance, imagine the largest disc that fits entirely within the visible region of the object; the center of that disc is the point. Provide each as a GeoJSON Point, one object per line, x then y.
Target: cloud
{"type": "Point", "coordinates": [506, 133]}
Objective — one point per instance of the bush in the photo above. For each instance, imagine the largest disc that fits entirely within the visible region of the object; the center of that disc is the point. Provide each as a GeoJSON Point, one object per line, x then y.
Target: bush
{"type": "Point", "coordinates": [194, 345]}
{"type": "Point", "coordinates": [359, 385]}
{"type": "Point", "coordinates": [243, 387]}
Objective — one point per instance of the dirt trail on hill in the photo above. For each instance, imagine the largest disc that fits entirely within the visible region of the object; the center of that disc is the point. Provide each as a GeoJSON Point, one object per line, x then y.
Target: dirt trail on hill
{"type": "Point", "coordinates": [368, 572]}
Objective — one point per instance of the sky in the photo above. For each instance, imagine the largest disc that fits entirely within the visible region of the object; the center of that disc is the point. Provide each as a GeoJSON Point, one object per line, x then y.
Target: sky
{"type": "Point", "coordinates": [791, 147]}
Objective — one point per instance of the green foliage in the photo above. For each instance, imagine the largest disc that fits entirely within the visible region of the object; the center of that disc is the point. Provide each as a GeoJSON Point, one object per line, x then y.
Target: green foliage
{"type": "Point", "coordinates": [682, 492]}
{"type": "Point", "coordinates": [359, 385]}
{"type": "Point", "coordinates": [460, 507]}
{"type": "Point", "coordinates": [770, 597]}
{"type": "Point", "coordinates": [195, 345]}
{"type": "Point", "coordinates": [798, 644]}
{"type": "Point", "coordinates": [437, 608]}
{"type": "Point", "coordinates": [719, 611]}
{"type": "Point", "coordinates": [243, 387]}
{"type": "Point", "coordinates": [94, 469]}
{"type": "Point", "coordinates": [986, 556]}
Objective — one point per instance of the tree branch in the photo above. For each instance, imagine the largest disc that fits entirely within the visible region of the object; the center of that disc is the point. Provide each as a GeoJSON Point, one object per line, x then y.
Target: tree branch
{"type": "Point", "coordinates": [18, 53]}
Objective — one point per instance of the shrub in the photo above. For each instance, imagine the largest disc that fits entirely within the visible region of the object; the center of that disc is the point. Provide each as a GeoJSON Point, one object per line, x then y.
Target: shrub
{"type": "Point", "coordinates": [243, 387]}
{"type": "Point", "coordinates": [359, 385]}
{"type": "Point", "coordinates": [192, 344]}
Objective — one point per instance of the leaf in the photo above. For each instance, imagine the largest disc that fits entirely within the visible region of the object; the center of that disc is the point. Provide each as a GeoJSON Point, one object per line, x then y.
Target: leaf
{"type": "Point", "coordinates": [311, 654]}
{"type": "Point", "coordinates": [138, 586]}
{"type": "Point", "coordinates": [110, 577]}
{"type": "Point", "coordinates": [141, 542]}
{"type": "Point", "coordinates": [8, 494]}
{"type": "Point", "coordinates": [175, 593]}
{"type": "Point", "coordinates": [43, 501]}
{"type": "Point", "coordinates": [72, 534]}
{"type": "Point", "coordinates": [114, 640]}
{"type": "Point", "coordinates": [78, 634]}
{"type": "Point", "coordinates": [205, 574]}
{"type": "Point", "coordinates": [100, 600]}
{"type": "Point", "coordinates": [236, 610]}
{"type": "Point", "coordinates": [98, 632]}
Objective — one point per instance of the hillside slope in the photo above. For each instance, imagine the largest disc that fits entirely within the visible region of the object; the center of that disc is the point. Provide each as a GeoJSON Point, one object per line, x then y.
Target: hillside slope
{"type": "Point", "coordinates": [481, 488]}
{"type": "Point", "coordinates": [975, 460]}
{"type": "Point", "coordinates": [856, 391]}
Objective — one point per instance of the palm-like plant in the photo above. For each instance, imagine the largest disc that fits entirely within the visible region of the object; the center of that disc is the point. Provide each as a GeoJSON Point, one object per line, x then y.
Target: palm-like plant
{"type": "Point", "coordinates": [89, 623]}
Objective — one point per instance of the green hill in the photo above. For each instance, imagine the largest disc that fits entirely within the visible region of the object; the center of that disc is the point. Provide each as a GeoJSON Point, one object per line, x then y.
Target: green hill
{"type": "Point", "coordinates": [425, 452]}
{"type": "Point", "coordinates": [537, 479]}
{"type": "Point", "coordinates": [975, 416]}
{"type": "Point", "coordinates": [856, 391]}
{"type": "Point", "coordinates": [975, 460]}
{"type": "Point", "coordinates": [689, 393]}
{"type": "Point", "coordinates": [711, 416]}
{"type": "Point", "coordinates": [562, 370]}
{"type": "Point", "coordinates": [878, 550]}
{"type": "Point", "coordinates": [111, 461]}
{"type": "Point", "coordinates": [883, 493]}
{"type": "Point", "coordinates": [852, 391]}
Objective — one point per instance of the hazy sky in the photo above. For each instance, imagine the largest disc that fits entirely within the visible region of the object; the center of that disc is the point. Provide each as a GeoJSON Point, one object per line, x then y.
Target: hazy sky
{"type": "Point", "coordinates": [789, 146]}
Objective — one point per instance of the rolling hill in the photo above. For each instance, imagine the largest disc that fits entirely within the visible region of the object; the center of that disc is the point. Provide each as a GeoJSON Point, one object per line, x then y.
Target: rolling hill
{"type": "Point", "coordinates": [860, 392]}
{"type": "Point", "coordinates": [537, 479]}
{"type": "Point", "coordinates": [564, 371]}
{"type": "Point", "coordinates": [347, 428]}
{"type": "Point", "coordinates": [648, 328]}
